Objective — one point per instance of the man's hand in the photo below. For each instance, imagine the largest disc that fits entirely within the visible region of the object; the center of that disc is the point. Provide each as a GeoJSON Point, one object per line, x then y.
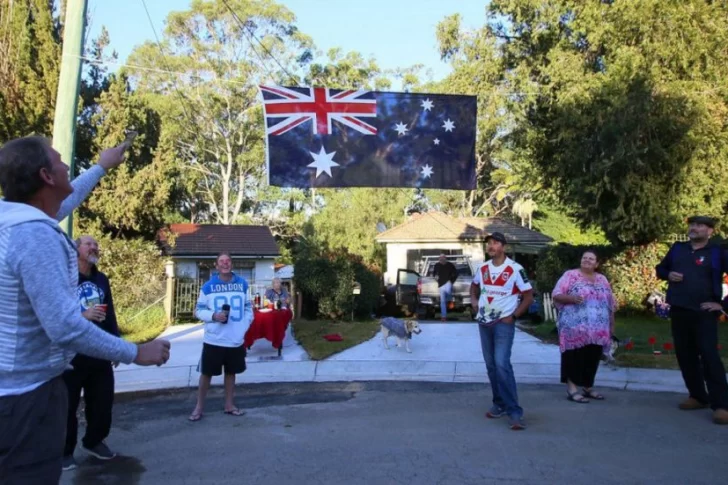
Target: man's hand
{"type": "Point", "coordinates": [155, 352]}
{"type": "Point", "coordinates": [508, 319]}
{"type": "Point", "coordinates": [112, 157]}
{"type": "Point", "coordinates": [675, 277]}
{"type": "Point", "coordinates": [95, 314]}
{"type": "Point", "coordinates": [219, 317]}
{"type": "Point", "coordinates": [711, 306]}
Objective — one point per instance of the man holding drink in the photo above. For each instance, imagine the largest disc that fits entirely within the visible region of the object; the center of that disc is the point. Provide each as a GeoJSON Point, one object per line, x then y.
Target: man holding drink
{"type": "Point", "coordinates": [224, 307]}
{"type": "Point", "coordinates": [94, 376]}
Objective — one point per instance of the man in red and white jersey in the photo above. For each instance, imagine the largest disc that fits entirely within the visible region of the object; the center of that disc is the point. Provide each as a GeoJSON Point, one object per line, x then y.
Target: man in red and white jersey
{"type": "Point", "coordinates": [500, 293]}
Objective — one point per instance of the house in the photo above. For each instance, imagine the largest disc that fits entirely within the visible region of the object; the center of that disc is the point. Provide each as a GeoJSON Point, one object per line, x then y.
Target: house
{"type": "Point", "coordinates": [193, 248]}
{"type": "Point", "coordinates": [196, 246]}
{"type": "Point", "coordinates": [432, 233]}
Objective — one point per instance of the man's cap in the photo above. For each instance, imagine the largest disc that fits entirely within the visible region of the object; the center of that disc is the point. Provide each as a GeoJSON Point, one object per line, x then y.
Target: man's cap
{"type": "Point", "coordinates": [497, 236]}
{"type": "Point", "coordinates": [708, 221]}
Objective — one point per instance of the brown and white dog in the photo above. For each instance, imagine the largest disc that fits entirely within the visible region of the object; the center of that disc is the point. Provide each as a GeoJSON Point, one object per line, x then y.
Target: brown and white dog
{"type": "Point", "coordinates": [402, 329]}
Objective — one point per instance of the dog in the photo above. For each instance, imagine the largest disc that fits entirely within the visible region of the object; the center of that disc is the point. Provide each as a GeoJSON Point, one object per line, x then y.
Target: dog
{"type": "Point", "coordinates": [608, 354]}
{"type": "Point", "coordinates": [402, 329]}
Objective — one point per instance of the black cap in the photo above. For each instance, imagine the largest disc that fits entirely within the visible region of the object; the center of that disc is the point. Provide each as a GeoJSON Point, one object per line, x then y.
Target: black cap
{"type": "Point", "coordinates": [497, 236]}
{"type": "Point", "coordinates": [708, 221]}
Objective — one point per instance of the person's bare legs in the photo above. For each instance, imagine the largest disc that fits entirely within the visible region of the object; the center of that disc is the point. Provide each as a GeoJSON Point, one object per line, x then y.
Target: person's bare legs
{"type": "Point", "coordinates": [202, 389]}
{"type": "Point", "coordinates": [230, 396]}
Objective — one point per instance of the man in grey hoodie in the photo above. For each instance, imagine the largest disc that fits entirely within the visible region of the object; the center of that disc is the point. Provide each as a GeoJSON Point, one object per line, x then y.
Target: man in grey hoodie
{"type": "Point", "coordinates": [41, 326]}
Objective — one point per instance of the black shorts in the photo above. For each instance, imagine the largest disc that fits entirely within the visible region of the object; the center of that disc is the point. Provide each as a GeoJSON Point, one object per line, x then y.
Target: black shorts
{"type": "Point", "coordinates": [214, 358]}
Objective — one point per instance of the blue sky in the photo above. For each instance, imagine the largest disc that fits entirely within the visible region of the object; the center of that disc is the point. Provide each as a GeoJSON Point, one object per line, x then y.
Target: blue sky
{"type": "Point", "coordinates": [403, 36]}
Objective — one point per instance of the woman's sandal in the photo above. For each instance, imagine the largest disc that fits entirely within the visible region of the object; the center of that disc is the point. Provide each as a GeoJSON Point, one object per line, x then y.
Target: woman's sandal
{"type": "Point", "coordinates": [592, 395]}
{"type": "Point", "coordinates": [195, 416]}
{"type": "Point", "coordinates": [576, 397]}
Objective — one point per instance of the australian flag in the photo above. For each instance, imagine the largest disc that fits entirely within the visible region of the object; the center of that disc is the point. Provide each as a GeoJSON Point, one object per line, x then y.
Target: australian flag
{"type": "Point", "coordinates": [320, 137]}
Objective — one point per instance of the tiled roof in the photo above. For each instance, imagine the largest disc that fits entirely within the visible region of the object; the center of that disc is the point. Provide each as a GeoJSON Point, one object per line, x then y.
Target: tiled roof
{"type": "Point", "coordinates": [211, 239]}
{"type": "Point", "coordinates": [436, 226]}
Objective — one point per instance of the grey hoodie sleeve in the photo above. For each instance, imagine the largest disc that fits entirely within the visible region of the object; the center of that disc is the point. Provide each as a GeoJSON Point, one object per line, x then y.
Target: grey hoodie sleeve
{"type": "Point", "coordinates": [82, 186]}
{"type": "Point", "coordinates": [41, 260]}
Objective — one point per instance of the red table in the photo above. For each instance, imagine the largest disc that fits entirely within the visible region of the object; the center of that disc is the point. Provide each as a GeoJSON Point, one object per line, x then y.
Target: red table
{"type": "Point", "coordinates": [269, 325]}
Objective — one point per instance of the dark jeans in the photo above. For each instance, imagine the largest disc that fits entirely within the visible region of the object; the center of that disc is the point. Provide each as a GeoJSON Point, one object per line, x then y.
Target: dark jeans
{"type": "Point", "coordinates": [97, 383]}
{"type": "Point", "coordinates": [496, 342]}
{"type": "Point", "coordinates": [32, 430]}
{"type": "Point", "coordinates": [580, 365]}
{"type": "Point", "coordinates": [696, 346]}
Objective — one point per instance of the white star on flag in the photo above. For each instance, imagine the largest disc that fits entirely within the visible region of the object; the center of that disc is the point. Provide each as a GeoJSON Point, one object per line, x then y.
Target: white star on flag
{"type": "Point", "coordinates": [436, 141]}
{"type": "Point", "coordinates": [449, 125]}
{"type": "Point", "coordinates": [426, 171]}
{"type": "Point", "coordinates": [401, 128]}
{"type": "Point", "coordinates": [427, 104]}
{"type": "Point", "coordinates": [323, 162]}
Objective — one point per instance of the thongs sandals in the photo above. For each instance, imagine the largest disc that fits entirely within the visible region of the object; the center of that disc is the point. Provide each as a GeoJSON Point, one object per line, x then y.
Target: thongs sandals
{"type": "Point", "coordinates": [195, 416]}
{"type": "Point", "coordinates": [592, 395]}
{"type": "Point", "coordinates": [576, 397]}
{"type": "Point", "coordinates": [235, 412]}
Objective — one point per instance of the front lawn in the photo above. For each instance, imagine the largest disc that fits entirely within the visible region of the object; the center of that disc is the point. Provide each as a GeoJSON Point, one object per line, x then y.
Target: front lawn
{"type": "Point", "coordinates": [310, 334]}
{"type": "Point", "coordinates": [139, 325]}
{"type": "Point", "coordinates": [639, 329]}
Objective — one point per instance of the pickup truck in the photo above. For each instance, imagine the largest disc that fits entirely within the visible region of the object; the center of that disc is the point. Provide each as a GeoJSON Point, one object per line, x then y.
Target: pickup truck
{"type": "Point", "coordinates": [419, 292]}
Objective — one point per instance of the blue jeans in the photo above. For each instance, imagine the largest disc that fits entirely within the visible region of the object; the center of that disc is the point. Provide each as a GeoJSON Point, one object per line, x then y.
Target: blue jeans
{"type": "Point", "coordinates": [445, 294]}
{"type": "Point", "coordinates": [496, 342]}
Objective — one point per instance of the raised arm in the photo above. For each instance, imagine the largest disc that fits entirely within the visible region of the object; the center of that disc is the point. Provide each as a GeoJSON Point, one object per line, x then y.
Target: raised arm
{"type": "Point", "coordinates": [85, 183]}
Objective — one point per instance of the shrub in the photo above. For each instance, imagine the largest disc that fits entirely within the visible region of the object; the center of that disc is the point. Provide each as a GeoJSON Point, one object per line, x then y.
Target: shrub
{"type": "Point", "coordinates": [327, 279]}
{"type": "Point", "coordinates": [134, 266]}
{"type": "Point", "coordinates": [630, 270]}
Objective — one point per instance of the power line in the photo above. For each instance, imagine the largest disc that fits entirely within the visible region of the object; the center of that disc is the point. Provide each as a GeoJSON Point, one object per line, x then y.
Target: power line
{"type": "Point", "coordinates": [164, 61]}
{"type": "Point", "coordinates": [91, 60]}
{"type": "Point", "coordinates": [252, 34]}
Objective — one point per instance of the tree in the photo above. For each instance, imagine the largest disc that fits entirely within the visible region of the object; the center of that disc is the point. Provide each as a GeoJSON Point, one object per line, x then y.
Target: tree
{"type": "Point", "coordinates": [30, 53]}
{"type": "Point", "coordinates": [478, 70]}
{"type": "Point", "coordinates": [350, 217]}
{"type": "Point", "coordinates": [136, 198]}
{"type": "Point", "coordinates": [208, 101]}
{"type": "Point", "coordinates": [619, 107]}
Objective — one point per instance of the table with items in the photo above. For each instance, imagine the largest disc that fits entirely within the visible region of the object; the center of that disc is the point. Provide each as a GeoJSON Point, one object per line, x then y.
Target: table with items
{"type": "Point", "coordinates": [269, 324]}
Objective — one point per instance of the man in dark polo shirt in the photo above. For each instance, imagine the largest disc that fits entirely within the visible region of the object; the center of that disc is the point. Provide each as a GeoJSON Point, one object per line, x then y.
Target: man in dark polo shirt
{"type": "Point", "coordinates": [694, 271]}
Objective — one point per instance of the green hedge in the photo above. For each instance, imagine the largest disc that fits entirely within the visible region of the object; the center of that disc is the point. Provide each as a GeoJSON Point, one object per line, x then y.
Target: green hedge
{"type": "Point", "coordinates": [326, 280]}
{"type": "Point", "coordinates": [630, 270]}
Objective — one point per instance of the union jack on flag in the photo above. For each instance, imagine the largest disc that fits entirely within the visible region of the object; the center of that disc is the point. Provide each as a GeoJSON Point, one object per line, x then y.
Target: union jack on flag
{"type": "Point", "coordinates": [286, 108]}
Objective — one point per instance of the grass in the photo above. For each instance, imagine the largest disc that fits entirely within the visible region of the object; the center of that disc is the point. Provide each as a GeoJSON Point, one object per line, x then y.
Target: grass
{"type": "Point", "coordinates": [141, 327]}
{"type": "Point", "coordinates": [639, 329]}
{"type": "Point", "coordinates": [309, 334]}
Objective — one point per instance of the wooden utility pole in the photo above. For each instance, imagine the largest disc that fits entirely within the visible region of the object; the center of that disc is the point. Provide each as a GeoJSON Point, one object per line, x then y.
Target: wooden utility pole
{"type": "Point", "coordinates": [64, 123]}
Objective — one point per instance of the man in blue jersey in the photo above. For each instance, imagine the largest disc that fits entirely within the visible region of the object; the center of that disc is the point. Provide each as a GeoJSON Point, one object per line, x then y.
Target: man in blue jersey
{"type": "Point", "coordinates": [225, 309]}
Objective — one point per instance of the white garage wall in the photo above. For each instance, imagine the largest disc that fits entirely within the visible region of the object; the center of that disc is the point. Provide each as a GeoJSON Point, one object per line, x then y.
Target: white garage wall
{"type": "Point", "coordinates": [397, 255]}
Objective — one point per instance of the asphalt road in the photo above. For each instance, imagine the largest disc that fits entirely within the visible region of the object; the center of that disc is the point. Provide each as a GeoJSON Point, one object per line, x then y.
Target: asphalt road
{"type": "Point", "coordinates": [407, 433]}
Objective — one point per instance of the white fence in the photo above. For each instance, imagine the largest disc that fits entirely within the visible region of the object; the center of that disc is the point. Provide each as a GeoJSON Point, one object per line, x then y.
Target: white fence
{"type": "Point", "coordinates": [549, 310]}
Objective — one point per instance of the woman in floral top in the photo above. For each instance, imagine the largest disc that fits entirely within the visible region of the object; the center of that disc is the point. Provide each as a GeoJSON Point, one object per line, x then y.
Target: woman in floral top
{"type": "Point", "coordinates": [586, 322]}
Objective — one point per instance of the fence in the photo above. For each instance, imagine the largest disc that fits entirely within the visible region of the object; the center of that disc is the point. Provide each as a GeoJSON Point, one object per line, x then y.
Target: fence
{"type": "Point", "coordinates": [549, 310]}
{"type": "Point", "coordinates": [187, 291]}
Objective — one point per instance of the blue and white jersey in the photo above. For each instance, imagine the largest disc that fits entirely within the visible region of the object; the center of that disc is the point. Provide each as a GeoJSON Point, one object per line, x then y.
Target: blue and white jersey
{"type": "Point", "coordinates": [213, 295]}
